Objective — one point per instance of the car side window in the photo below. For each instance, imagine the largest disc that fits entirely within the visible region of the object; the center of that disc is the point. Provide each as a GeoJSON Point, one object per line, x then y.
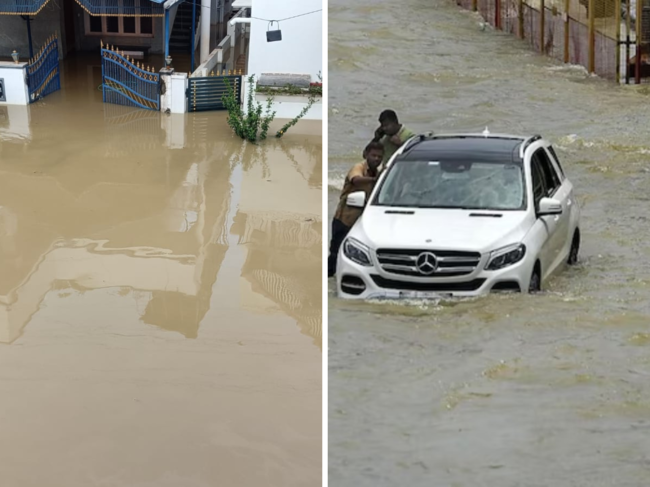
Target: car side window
{"type": "Point", "coordinates": [539, 191]}
{"type": "Point", "coordinates": [557, 160]}
{"type": "Point", "coordinates": [551, 179]}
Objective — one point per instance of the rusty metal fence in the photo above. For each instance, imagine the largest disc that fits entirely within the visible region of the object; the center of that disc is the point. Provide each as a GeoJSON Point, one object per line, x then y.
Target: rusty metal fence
{"type": "Point", "coordinates": [600, 35]}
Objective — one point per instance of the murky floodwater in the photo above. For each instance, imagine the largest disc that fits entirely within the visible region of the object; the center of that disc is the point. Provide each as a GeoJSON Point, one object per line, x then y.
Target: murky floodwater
{"type": "Point", "coordinates": [160, 298]}
{"type": "Point", "coordinates": [500, 391]}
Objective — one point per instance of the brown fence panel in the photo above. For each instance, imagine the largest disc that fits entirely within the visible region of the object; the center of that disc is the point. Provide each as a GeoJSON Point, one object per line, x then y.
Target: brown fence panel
{"type": "Point", "coordinates": [554, 34]}
{"type": "Point", "coordinates": [565, 35]}
{"type": "Point", "coordinates": [532, 27]}
{"type": "Point", "coordinates": [607, 15]}
{"type": "Point", "coordinates": [605, 56]}
{"type": "Point", "coordinates": [578, 43]}
{"type": "Point", "coordinates": [487, 9]}
{"type": "Point", "coordinates": [510, 16]}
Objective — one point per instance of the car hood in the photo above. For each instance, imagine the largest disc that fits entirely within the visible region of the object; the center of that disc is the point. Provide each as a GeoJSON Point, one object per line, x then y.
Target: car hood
{"type": "Point", "coordinates": [441, 229]}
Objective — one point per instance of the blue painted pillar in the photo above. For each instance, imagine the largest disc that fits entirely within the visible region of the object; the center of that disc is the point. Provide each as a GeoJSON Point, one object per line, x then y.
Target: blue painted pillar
{"type": "Point", "coordinates": [29, 34]}
{"type": "Point", "coordinates": [166, 33]}
{"type": "Point", "coordinates": [193, 30]}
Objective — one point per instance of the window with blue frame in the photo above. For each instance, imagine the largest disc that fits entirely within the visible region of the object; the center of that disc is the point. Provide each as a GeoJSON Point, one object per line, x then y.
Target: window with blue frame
{"type": "Point", "coordinates": [127, 24]}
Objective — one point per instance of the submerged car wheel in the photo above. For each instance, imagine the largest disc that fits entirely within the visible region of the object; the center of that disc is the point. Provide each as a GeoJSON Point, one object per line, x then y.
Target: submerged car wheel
{"type": "Point", "coordinates": [575, 249]}
{"type": "Point", "coordinates": [535, 285]}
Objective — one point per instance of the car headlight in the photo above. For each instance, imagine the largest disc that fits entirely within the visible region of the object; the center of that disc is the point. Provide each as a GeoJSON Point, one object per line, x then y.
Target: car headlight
{"type": "Point", "coordinates": [357, 252]}
{"type": "Point", "coordinates": [505, 257]}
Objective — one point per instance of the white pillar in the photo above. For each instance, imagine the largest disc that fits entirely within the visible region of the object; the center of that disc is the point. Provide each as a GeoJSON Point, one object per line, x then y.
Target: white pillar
{"type": "Point", "coordinates": [173, 100]}
{"type": "Point", "coordinates": [205, 29]}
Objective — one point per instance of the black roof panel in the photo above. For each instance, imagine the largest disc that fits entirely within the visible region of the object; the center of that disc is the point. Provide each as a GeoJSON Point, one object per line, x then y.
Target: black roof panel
{"type": "Point", "coordinates": [484, 149]}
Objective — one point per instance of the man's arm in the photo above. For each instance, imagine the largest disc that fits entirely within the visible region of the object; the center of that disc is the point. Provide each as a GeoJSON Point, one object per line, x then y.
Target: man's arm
{"type": "Point", "coordinates": [357, 178]}
{"type": "Point", "coordinates": [379, 134]}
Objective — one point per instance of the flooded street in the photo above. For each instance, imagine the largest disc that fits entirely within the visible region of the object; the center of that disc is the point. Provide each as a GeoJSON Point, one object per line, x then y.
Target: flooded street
{"type": "Point", "coordinates": [160, 297]}
{"type": "Point", "coordinates": [548, 390]}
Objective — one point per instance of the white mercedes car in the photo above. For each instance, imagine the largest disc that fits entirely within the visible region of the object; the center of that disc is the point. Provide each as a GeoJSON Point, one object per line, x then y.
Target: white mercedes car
{"type": "Point", "coordinates": [461, 215]}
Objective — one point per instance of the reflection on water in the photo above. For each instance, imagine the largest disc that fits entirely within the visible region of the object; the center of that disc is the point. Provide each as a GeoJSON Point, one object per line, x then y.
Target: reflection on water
{"type": "Point", "coordinates": [163, 242]}
{"type": "Point", "coordinates": [156, 223]}
{"type": "Point", "coordinates": [15, 123]}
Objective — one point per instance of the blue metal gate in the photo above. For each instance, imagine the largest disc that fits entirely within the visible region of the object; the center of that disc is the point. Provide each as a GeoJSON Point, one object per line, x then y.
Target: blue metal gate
{"type": "Point", "coordinates": [205, 93]}
{"type": "Point", "coordinates": [125, 82]}
{"type": "Point", "coordinates": [43, 71]}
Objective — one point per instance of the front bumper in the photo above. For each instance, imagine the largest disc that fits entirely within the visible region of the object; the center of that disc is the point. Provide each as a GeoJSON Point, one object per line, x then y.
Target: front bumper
{"type": "Point", "coordinates": [354, 281]}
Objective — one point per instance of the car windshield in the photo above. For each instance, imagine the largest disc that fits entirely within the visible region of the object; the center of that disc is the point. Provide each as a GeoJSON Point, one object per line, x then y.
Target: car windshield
{"type": "Point", "coordinates": [453, 184]}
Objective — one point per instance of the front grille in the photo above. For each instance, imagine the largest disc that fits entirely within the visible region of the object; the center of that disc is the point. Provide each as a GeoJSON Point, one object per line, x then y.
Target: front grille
{"type": "Point", "coordinates": [450, 263]}
{"type": "Point", "coordinates": [427, 286]}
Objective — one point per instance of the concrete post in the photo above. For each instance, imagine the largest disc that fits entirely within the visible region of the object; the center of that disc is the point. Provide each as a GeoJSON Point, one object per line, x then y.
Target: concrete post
{"type": "Point", "coordinates": [174, 98]}
{"type": "Point", "coordinates": [205, 29]}
{"type": "Point", "coordinates": [14, 76]}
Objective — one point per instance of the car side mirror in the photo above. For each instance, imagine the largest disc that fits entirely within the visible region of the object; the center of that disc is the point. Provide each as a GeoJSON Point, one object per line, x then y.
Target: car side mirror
{"type": "Point", "coordinates": [357, 199]}
{"type": "Point", "coordinates": [549, 206]}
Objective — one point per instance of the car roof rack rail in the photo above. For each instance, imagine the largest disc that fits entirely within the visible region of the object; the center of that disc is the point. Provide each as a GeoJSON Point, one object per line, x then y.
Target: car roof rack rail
{"type": "Point", "coordinates": [526, 143]}
{"type": "Point", "coordinates": [417, 139]}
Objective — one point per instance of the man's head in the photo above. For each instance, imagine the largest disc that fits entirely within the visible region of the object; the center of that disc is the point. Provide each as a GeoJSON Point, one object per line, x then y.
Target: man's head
{"type": "Point", "coordinates": [373, 154]}
{"type": "Point", "coordinates": [389, 122]}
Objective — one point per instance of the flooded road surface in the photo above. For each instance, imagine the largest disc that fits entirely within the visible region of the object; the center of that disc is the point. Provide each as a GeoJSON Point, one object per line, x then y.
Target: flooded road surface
{"type": "Point", "coordinates": [550, 390]}
{"type": "Point", "coordinates": [160, 298]}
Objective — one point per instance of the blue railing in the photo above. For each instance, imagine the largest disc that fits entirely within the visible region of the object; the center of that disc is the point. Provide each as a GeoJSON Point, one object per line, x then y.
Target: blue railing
{"type": "Point", "coordinates": [123, 8]}
{"type": "Point", "coordinates": [126, 83]}
{"type": "Point", "coordinates": [21, 7]}
{"type": "Point", "coordinates": [43, 75]}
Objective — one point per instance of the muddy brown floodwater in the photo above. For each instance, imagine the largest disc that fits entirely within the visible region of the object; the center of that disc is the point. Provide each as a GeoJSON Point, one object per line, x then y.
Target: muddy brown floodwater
{"type": "Point", "coordinates": [160, 298]}
{"type": "Point", "coordinates": [550, 390]}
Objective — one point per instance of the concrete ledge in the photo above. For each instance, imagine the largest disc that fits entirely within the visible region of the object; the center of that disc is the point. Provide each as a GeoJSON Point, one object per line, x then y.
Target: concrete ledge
{"type": "Point", "coordinates": [284, 79]}
{"type": "Point", "coordinates": [261, 97]}
{"type": "Point", "coordinates": [12, 65]}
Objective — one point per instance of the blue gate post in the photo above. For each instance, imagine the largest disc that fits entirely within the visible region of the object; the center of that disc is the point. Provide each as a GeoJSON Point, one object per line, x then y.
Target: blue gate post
{"type": "Point", "coordinates": [101, 53]}
{"type": "Point", "coordinates": [29, 34]}
{"type": "Point", "coordinates": [166, 34]}
{"type": "Point", "coordinates": [193, 30]}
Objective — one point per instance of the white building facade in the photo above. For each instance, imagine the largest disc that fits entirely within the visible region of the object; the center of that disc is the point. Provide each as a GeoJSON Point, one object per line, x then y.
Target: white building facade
{"type": "Point", "coordinates": [300, 52]}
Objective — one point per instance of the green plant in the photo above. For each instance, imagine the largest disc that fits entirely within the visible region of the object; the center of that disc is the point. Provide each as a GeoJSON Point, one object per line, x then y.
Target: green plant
{"type": "Point", "coordinates": [291, 123]}
{"type": "Point", "coordinates": [267, 119]}
{"type": "Point", "coordinates": [254, 123]}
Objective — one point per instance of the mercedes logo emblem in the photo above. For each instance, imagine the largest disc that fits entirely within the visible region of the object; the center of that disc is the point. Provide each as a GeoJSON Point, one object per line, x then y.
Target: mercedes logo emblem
{"type": "Point", "coordinates": [426, 263]}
